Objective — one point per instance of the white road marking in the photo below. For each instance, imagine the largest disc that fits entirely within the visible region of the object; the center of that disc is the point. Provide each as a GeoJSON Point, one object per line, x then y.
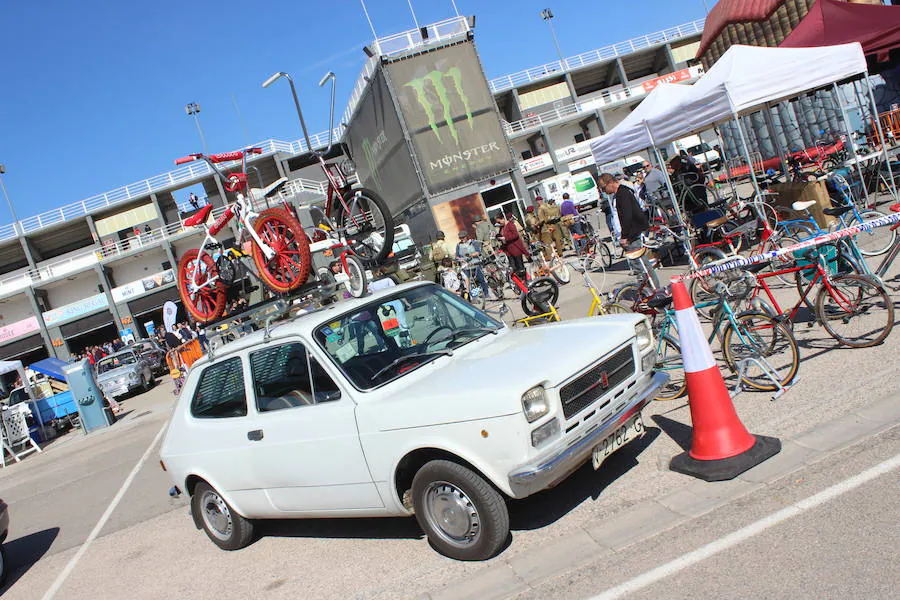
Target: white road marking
{"type": "Point", "coordinates": [745, 533]}
{"type": "Point", "coordinates": [70, 566]}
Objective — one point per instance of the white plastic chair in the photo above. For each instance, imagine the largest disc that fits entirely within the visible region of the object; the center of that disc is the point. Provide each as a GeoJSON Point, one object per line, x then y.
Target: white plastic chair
{"type": "Point", "coordinates": [16, 439]}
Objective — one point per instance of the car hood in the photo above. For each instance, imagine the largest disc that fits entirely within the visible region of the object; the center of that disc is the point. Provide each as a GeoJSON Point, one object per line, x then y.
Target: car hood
{"type": "Point", "coordinates": [115, 373]}
{"type": "Point", "coordinates": [487, 377]}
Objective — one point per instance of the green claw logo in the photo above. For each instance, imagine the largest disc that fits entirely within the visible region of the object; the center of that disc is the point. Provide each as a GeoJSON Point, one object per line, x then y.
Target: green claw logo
{"type": "Point", "coordinates": [371, 151]}
{"type": "Point", "coordinates": [437, 79]}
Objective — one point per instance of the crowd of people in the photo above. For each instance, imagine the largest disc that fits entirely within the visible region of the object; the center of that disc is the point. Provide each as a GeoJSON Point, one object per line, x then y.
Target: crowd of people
{"type": "Point", "coordinates": [94, 353]}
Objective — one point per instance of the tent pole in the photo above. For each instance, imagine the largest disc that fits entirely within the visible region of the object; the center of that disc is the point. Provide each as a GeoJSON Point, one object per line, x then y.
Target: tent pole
{"type": "Point", "coordinates": [887, 158]}
{"type": "Point", "coordinates": [776, 141]}
{"type": "Point", "coordinates": [849, 130]}
{"type": "Point", "coordinates": [724, 158]}
{"type": "Point", "coordinates": [671, 189]}
{"type": "Point", "coordinates": [759, 194]}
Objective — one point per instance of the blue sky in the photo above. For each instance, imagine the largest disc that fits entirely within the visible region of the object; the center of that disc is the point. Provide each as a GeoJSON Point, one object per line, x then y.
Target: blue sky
{"type": "Point", "coordinates": [92, 93]}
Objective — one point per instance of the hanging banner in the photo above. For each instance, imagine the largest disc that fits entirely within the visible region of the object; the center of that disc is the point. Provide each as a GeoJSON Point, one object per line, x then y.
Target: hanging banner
{"type": "Point", "coordinates": [170, 312]}
{"type": "Point", "coordinates": [76, 309]}
{"type": "Point", "coordinates": [18, 329]}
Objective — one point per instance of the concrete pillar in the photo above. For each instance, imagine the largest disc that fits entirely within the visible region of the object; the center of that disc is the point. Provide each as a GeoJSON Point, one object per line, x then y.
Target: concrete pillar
{"type": "Point", "coordinates": [107, 290]}
{"type": "Point", "coordinates": [516, 105]}
{"type": "Point", "coordinates": [62, 352]}
{"type": "Point", "coordinates": [550, 148]}
{"type": "Point", "coordinates": [159, 210]}
{"type": "Point", "coordinates": [620, 68]}
{"type": "Point", "coordinates": [280, 165]}
{"type": "Point", "coordinates": [601, 120]}
{"type": "Point", "coordinates": [221, 189]}
{"type": "Point", "coordinates": [670, 58]}
{"type": "Point", "coordinates": [571, 85]}
{"type": "Point", "coordinates": [29, 255]}
{"type": "Point", "coordinates": [518, 182]}
{"type": "Point", "coordinates": [45, 334]}
{"type": "Point", "coordinates": [93, 227]}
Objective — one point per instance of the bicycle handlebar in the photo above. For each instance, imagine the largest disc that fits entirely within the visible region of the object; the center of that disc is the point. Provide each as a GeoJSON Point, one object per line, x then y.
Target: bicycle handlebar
{"type": "Point", "coordinates": [219, 158]}
{"type": "Point", "coordinates": [187, 159]}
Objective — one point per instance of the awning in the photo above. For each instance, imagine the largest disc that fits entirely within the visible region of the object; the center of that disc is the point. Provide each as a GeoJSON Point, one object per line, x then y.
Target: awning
{"type": "Point", "coordinates": [829, 22]}
{"type": "Point", "coordinates": [51, 367]}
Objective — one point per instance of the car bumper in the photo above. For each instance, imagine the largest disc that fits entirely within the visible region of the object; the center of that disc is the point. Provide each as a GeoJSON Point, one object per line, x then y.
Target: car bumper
{"type": "Point", "coordinates": [4, 521]}
{"type": "Point", "coordinates": [530, 478]}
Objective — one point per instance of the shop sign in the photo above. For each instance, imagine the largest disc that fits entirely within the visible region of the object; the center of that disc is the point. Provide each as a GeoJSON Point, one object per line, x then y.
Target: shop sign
{"type": "Point", "coordinates": [18, 329]}
{"type": "Point", "coordinates": [675, 77]}
{"type": "Point", "coordinates": [535, 164]}
{"type": "Point", "coordinates": [140, 287]}
{"type": "Point", "coordinates": [574, 151]}
{"type": "Point", "coordinates": [581, 163]}
{"type": "Point", "coordinates": [76, 309]}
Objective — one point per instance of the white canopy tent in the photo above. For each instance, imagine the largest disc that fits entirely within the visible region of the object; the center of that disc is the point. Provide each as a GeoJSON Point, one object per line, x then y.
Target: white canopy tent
{"type": "Point", "coordinates": [8, 366]}
{"type": "Point", "coordinates": [745, 79]}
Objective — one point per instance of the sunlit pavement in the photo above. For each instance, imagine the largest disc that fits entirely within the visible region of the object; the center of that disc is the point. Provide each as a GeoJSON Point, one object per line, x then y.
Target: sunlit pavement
{"type": "Point", "coordinates": [150, 548]}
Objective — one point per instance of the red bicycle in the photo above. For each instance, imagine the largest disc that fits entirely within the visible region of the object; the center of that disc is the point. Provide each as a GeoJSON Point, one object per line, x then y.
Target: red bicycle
{"type": "Point", "coordinates": [279, 247]}
{"type": "Point", "coordinates": [358, 216]}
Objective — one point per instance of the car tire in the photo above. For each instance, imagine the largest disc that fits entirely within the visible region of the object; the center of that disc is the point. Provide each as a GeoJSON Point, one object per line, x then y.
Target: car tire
{"type": "Point", "coordinates": [464, 517]}
{"type": "Point", "coordinates": [4, 566]}
{"type": "Point", "coordinates": [224, 527]}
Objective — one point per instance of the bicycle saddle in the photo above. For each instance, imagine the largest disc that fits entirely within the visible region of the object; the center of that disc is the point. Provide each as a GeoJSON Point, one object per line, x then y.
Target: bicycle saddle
{"type": "Point", "coordinates": [837, 211]}
{"type": "Point", "coordinates": [660, 301]}
{"type": "Point", "coordinates": [895, 207]}
{"type": "Point", "coordinates": [716, 222]}
{"type": "Point", "coordinates": [199, 217]}
{"type": "Point", "coordinates": [635, 254]}
{"type": "Point", "coordinates": [757, 267]}
{"type": "Point", "coordinates": [801, 206]}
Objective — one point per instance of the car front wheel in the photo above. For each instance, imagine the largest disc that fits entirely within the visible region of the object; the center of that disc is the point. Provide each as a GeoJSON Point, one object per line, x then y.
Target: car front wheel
{"type": "Point", "coordinates": [462, 515]}
{"type": "Point", "coordinates": [225, 528]}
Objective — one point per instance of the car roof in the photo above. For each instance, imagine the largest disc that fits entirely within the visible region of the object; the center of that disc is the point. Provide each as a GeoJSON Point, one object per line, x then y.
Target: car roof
{"type": "Point", "coordinates": [305, 323]}
{"type": "Point", "coordinates": [119, 353]}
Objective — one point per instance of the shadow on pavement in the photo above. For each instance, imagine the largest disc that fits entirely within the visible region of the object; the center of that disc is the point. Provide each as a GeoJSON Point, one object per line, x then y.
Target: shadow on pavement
{"type": "Point", "coordinates": [680, 433]}
{"type": "Point", "coordinates": [22, 553]}
{"type": "Point", "coordinates": [548, 506]}
{"type": "Point", "coordinates": [363, 528]}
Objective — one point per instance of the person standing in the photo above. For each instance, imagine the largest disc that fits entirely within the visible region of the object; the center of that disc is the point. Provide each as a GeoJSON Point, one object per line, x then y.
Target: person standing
{"type": "Point", "coordinates": [569, 213]}
{"type": "Point", "coordinates": [549, 215]}
{"type": "Point", "coordinates": [194, 201]}
{"type": "Point", "coordinates": [532, 225]}
{"type": "Point", "coordinates": [483, 234]}
{"type": "Point", "coordinates": [513, 244]}
{"type": "Point", "coordinates": [469, 252]}
{"type": "Point", "coordinates": [632, 220]}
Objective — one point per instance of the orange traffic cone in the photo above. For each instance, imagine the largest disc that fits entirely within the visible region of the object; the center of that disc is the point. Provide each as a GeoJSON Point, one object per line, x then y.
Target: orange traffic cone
{"type": "Point", "coordinates": [721, 447]}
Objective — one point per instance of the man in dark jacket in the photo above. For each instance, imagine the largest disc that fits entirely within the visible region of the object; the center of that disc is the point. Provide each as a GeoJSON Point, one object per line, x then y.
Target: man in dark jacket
{"type": "Point", "coordinates": [512, 244]}
{"type": "Point", "coordinates": [632, 219]}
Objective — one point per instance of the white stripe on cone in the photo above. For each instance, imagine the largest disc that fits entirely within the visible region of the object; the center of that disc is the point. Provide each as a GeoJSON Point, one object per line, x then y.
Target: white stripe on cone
{"type": "Point", "coordinates": [695, 350]}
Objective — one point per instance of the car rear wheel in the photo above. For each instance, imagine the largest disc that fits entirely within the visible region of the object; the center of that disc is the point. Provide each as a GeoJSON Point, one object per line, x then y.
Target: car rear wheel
{"type": "Point", "coordinates": [224, 527]}
{"type": "Point", "coordinates": [3, 566]}
{"type": "Point", "coordinates": [462, 515]}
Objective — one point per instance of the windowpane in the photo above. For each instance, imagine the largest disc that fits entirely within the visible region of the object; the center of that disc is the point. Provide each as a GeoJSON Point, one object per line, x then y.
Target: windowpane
{"type": "Point", "coordinates": [281, 378]}
{"type": "Point", "coordinates": [220, 392]}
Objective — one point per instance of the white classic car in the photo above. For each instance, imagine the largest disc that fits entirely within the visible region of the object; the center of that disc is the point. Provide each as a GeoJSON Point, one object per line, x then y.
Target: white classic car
{"type": "Point", "coordinates": [409, 401]}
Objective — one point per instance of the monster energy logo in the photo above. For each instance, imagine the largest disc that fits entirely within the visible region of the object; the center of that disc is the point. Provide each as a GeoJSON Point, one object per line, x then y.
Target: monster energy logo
{"type": "Point", "coordinates": [437, 80]}
{"type": "Point", "coordinates": [371, 151]}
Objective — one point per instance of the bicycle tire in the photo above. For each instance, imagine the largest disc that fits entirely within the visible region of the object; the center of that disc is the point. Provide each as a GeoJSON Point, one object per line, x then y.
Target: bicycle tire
{"type": "Point", "coordinates": [208, 304]}
{"type": "Point", "coordinates": [540, 297]}
{"type": "Point", "coordinates": [364, 240]}
{"type": "Point", "coordinates": [289, 268]}
{"type": "Point", "coordinates": [614, 308]}
{"type": "Point", "coordinates": [854, 301]}
{"type": "Point", "coordinates": [669, 360]}
{"type": "Point", "coordinates": [604, 254]}
{"type": "Point", "coordinates": [780, 351]}
{"type": "Point", "coordinates": [847, 265]}
{"type": "Point", "coordinates": [560, 270]}
{"type": "Point", "coordinates": [356, 272]}
{"type": "Point", "coordinates": [628, 294]}
{"type": "Point", "coordinates": [876, 241]}
{"type": "Point", "coordinates": [787, 261]}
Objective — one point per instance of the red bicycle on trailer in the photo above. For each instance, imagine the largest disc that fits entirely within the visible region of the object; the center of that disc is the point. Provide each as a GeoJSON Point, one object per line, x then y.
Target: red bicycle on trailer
{"type": "Point", "coordinates": [279, 247]}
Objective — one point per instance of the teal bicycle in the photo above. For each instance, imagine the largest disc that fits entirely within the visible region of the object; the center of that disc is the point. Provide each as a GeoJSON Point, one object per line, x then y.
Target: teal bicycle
{"type": "Point", "coordinates": [758, 347]}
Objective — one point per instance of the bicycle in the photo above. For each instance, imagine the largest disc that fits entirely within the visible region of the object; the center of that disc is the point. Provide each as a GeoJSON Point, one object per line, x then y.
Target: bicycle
{"type": "Point", "coordinates": [359, 216]}
{"type": "Point", "coordinates": [757, 347]}
{"type": "Point", "coordinates": [840, 300]}
{"type": "Point", "coordinates": [592, 245]}
{"type": "Point", "coordinates": [538, 296]}
{"type": "Point", "coordinates": [279, 248]}
{"type": "Point", "coordinates": [459, 279]}
{"type": "Point", "coordinates": [542, 266]}
{"type": "Point", "coordinates": [599, 305]}
{"type": "Point", "coordinates": [892, 253]}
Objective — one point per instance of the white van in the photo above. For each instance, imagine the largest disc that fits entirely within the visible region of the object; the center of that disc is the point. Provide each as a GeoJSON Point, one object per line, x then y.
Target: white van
{"type": "Point", "coordinates": [581, 187]}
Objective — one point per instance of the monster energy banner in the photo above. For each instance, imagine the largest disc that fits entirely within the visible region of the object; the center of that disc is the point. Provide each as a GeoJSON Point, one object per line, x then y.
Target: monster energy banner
{"type": "Point", "coordinates": [450, 115]}
{"type": "Point", "coordinates": [376, 143]}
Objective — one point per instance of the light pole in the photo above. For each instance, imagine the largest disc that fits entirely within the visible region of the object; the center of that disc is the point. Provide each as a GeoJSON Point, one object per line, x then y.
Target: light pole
{"type": "Point", "coordinates": [12, 210]}
{"type": "Point", "coordinates": [547, 15]}
{"type": "Point", "coordinates": [193, 109]}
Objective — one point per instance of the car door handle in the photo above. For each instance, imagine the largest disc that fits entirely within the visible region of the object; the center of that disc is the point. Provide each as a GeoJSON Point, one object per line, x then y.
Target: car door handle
{"type": "Point", "coordinates": [255, 435]}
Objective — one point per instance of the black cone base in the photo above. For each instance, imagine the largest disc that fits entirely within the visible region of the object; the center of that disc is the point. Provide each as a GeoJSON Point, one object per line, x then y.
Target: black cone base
{"type": "Point", "coordinates": [727, 468]}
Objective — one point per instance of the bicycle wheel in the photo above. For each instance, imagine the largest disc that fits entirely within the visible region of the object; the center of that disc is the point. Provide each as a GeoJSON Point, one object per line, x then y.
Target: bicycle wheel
{"type": "Point", "coordinates": [837, 263]}
{"type": "Point", "coordinates": [628, 294]}
{"type": "Point", "coordinates": [289, 267]}
{"type": "Point", "coordinates": [559, 270]}
{"type": "Point", "coordinates": [855, 311]}
{"type": "Point", "coordinates": [542, 294]}
{"type": "Point", "coordinates": [356, 271]}
{"type": "Point", "coordinates": [875, 241]}
{"type": "Point", "coordinates": [780, 263]}
{"type": "Point", "coordinates": [208, 301]}
{"type": "Point", "coordinates": [668, 360]}
{"type": "Point", "coordinates": [613, 308]}
{"type": "Point", "coordinates": [762, 344]}
{"type": "Point", "coordinates": [603, 254]}
{"type": "Point", "coordinates": [368, 225]}
{"type": "Point", "coordinates": [702, 289]}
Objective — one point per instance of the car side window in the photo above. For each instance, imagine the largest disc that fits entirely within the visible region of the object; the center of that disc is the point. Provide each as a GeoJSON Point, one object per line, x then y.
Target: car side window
{"type": "Point", "coordinates": [286, 376]}
{"type": "Point", "coordinates": [220, 392]}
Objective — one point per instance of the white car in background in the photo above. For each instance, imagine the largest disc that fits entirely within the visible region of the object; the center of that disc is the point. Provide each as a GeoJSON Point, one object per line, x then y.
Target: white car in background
{"type": "Point", "coordinates": [407, 402]}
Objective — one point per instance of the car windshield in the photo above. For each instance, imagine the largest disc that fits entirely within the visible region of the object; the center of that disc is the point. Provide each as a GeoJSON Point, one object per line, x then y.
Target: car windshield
{"type": "Point", "coordinates": [386, 339]}
{"type": "Point", "coordinates": [115, 361]}
{"type": "Point", "coordinates": [145, 347]}
{"type": "Point", "coordinates": [699, 149]}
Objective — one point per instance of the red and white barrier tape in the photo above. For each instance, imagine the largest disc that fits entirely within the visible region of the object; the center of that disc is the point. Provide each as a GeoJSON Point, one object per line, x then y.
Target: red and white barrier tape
{"type": "Point", "coordinates": [816, 241]}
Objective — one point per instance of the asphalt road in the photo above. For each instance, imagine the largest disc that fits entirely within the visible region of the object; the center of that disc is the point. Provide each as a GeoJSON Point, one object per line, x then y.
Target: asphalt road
{"type": "Point", "coordinates": [150, 549]}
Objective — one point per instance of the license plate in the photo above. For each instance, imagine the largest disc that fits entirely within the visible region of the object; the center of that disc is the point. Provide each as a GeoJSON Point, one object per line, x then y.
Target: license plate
{"type": "Point", "coordinates": [629, 430]}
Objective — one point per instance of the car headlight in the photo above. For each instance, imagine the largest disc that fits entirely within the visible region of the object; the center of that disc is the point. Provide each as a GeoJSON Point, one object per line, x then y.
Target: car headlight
{"type": "Point", "coordinates": [535, 404]}
{"type": "Point", "coordinates": [545, 432]}
{"type": "Point", "coordinates": [133, 376]}
{"type": "Point", "coordinates": [644, 335]}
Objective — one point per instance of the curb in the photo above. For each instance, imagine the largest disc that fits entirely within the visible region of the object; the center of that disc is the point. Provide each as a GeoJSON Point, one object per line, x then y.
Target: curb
{"type": "Point", "coordinates": [650, 518]}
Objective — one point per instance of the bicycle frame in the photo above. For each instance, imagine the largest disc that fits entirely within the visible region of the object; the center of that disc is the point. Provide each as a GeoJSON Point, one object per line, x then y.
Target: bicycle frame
{"type": "Point", "coordinates": [821, 275]}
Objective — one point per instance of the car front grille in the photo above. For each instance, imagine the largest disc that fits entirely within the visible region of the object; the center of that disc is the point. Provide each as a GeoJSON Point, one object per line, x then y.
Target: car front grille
{"type": "Point", "coordinates": [580, 393]}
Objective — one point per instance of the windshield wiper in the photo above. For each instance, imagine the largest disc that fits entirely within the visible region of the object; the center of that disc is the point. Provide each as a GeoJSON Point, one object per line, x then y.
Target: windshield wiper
{"type": "Point", "coordinates": [434, 354]}
{"type": "Point", "coordinates": [469, 330]}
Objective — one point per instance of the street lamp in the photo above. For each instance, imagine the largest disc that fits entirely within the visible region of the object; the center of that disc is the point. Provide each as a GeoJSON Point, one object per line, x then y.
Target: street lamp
{"type": "Point", "coordinates": [193, 109]}
{"type": "Point", "coordinates": [547, 15]}
{"type": "Point", "coordinates": [12, 211]}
